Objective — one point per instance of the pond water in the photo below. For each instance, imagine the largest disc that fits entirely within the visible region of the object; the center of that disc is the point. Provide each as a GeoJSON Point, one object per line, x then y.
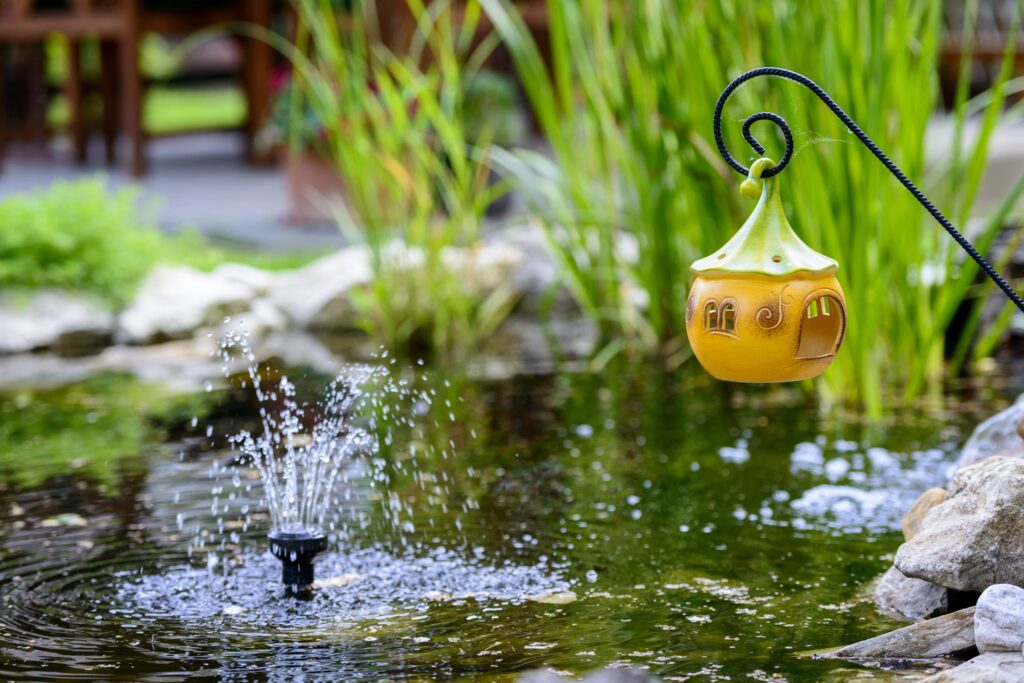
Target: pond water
{"type": "Point", "coordinates": [572, 521]}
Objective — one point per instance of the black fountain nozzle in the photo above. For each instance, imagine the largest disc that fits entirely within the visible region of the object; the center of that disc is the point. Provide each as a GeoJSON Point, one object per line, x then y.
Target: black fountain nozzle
{"type": "Point", "coordinates": [297, 550]}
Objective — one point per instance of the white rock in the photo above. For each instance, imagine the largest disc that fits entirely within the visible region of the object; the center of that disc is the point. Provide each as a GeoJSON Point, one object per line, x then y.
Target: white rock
{"type": "Point", "coordinates": [260, 319]}
{"type": "Point", "coordinates": [999, 619]}
{"type": "Point", "coordinates": [485, 268]}
{"type": "Point", "coordinates": [997, 435]}
{"type": "Point", "coordinates": [51, 318]}
{"type": "Point", "coordinates": [537, 277]}
{"type": "Point", "coordinates": [174, 301]}
{"type": "Point", "coordinates": [318, 295]}
{"type": "Point", "coordinates": [257, 280]}
{"type": "Point", "coordinates": [992, 667]}
{"type": "Point", "coordinates": [972, 539]}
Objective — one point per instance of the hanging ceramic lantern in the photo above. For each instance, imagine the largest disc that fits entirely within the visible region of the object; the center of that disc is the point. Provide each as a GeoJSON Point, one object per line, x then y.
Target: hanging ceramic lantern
{"type": "Point", "coordinates": [765, 307]}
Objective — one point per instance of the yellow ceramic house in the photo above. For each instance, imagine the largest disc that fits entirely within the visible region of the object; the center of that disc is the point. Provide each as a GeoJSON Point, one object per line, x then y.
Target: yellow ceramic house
{"type": "Point", "coordinates": [765, 307]}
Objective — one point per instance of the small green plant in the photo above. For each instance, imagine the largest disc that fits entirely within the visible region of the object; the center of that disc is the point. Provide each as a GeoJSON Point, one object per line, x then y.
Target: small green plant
{"type": "Point", "coordinates": [417, 178]}
{"type": "Point", "coordinates": [77, 235]}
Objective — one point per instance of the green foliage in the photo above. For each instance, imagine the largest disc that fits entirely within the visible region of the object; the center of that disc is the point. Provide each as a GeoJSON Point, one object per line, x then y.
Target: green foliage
{"type": "Point", "coordinates": [98, 430]}
{"type": "Point", "coordinates": [627, 107]}
{"type": "Point", "coordinates": [77, 235]}
{"type": "Point", "coordinates": [417, 179]}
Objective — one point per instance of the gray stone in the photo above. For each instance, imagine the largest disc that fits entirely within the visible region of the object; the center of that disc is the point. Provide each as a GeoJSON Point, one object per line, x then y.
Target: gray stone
{"type": "Point", "coordinates": [972, 540]}
{"type": "Point", "coordinates": [998, 435]}
{"type": "Point", "coordinates": [53, 319]}
{"type": "Point", "coordinates": [318, 296]}
{"type": "Point", "coordinates": [915, 515]}
{"type": "Point", "coordinates": [537, 276]}
{"type": "Point", "coordinates": [907, 599]}
{"type": "Point", "coordinates": [938, 637]}
{"type": "Point", "coordinates": [174, 301]}
{"type": "Point", "coordinates": [261, 318]}
{"type": "Point", "coordinates": [255, 279]}
{"type": "Point", "coordinates": [992, 667]}
{"type": "Point", "coordinates": [999, 619]}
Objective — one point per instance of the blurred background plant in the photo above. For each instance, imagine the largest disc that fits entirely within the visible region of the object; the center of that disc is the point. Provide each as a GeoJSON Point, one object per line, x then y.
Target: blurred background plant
{"type": "Point", "coordinates": [626, 107]}
{"type": "Point", "coordinates": [78, 236]}
{"type": "Point", "coordinates": [416, 173]}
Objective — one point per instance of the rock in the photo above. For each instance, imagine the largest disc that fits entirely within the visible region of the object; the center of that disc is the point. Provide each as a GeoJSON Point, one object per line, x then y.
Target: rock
{"type": "Point", "coordinates": [992, 667]}
{"type": "Point", "coordinates": [999, 619]}
{"type": "Point", "coordinates": [972, 539]}
{"type": "Point", "coordinates": [174, 301]}
{"type": "Point", "coordinates": [907, 599]}
{"type": "Point", "coordinates": [920, 508]}
{"type": "Point", "coordinates": [998, 435]}
{"type": "Point", "coordinates": [318, 295]}
{"type": "Point", "coordinates": [938, 637]}
{"type": "Point", "coordinates": [261, 318]}
{"type": "Point", "coordinates": [69, 322]}
{"type": "Point", "coordinates": [257, 280]}
{"type": "Point", "coordinates": [485, 268]}
{"type": "Point", "coordinates": [537, 276]}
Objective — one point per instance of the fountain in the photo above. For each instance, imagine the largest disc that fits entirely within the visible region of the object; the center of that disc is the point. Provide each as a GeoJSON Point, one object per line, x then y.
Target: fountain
{"type": "Point", "coordinates": [299, 468]}
{"type": "Point", "coordinates": [297, 550]}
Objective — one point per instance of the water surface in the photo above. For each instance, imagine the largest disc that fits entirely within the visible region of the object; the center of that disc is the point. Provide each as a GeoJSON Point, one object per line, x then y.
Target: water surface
{"type": "Point", "coordinates": [569, 521]}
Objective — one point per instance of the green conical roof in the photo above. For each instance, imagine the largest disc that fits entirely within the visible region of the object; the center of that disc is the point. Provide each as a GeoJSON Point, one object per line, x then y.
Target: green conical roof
{"type": "Point", "coordinates": [766, 244]}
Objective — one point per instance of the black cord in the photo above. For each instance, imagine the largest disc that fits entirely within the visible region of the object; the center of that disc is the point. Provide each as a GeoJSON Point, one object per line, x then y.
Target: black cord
{"type": "Point", "coordinates": [861, 135]}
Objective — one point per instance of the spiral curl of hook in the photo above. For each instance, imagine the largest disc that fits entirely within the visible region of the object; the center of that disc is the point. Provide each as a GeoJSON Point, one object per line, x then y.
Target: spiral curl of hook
{"type": "Point", "coordinates": [856, 130]}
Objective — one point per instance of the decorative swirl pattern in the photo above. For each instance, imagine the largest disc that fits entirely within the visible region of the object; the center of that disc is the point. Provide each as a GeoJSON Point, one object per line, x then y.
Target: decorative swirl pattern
{"type": "Point", "coordinates": [770, 316]}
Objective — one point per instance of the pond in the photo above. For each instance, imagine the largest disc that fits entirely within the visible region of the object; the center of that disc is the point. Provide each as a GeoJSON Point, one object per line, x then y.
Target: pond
{"type": "Point", "coordinates": [572, 521]}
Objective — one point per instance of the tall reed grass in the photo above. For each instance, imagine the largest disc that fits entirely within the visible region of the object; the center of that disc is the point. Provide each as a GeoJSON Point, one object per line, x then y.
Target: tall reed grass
{"type": "Point", "coordinates": [626, 106]}
{"type": "Point", "coordinates": [417, 180]}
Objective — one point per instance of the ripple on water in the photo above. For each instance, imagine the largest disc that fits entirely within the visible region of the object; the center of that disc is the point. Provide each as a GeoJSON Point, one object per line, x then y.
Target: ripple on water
{"type": "Point", "coordinates": [360, 583]}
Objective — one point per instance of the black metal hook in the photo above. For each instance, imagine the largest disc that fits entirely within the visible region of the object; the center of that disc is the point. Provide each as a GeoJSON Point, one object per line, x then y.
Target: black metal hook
{"type": "Point", "coordinates": [860, 135]}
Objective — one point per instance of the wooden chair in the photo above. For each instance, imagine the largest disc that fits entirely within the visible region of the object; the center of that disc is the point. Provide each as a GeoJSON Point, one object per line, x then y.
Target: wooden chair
{"type": "Point", "coordinates": [119, 25]}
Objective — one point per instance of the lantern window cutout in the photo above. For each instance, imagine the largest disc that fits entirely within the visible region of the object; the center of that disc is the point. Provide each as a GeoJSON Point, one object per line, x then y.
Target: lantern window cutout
{"type": "Point", "coordinates": [711, 316]}
{"type": "Point", "coordinates": [822, 329]}
{"type": "Point", "coordinates": [728, 318]}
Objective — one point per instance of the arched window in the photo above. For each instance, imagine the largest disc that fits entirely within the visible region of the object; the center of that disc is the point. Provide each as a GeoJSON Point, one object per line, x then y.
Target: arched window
{"type": "Point", "coordinates": [711, 315]}
{"type": "Point", "coordinates": [728, 317]}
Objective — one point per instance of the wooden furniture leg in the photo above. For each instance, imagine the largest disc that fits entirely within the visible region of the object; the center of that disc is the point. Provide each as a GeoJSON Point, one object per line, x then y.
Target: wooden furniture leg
{"type": "Point", "coordinates": [73, 93]}
{"type": "Point", "coordinates": [256, 55]}
{"type": "Point", "coordinates": [3, 104]}
{"type": "Point", "coordinates": [108, 97]}
{"type": "Point", "coordinates": [131, 88]}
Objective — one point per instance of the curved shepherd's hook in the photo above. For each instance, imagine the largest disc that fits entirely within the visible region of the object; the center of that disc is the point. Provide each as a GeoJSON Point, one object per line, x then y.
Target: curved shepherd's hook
{"type": "Point", "coordinates": [860, 135]}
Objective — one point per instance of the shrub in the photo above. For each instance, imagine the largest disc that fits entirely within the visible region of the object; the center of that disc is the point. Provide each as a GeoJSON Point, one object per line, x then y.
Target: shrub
{"type": "Point", "coordinates": [77, 235]}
